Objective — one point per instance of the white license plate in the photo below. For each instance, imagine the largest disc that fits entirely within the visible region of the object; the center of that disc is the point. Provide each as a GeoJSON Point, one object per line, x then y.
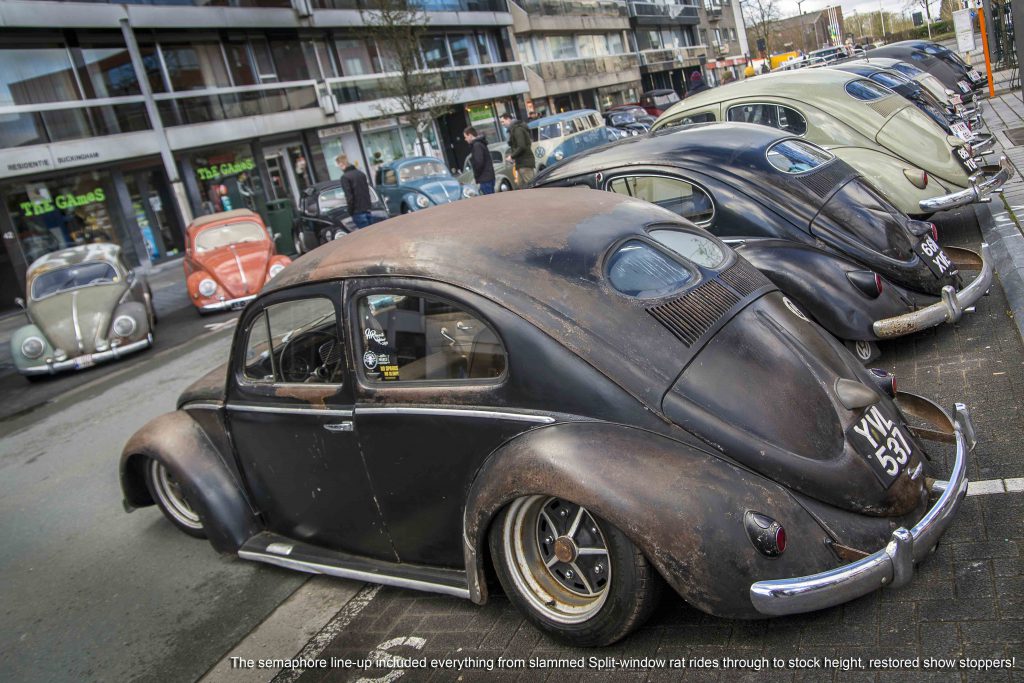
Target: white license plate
{"type": "Point", "coordinates": [84, 362]}
{"type": "Point", "coordinates": [974, 74]}
{"type": "Point", "coordinates": [964, 85]}
{"type": "Point", "coordinates": [878, 436]}
{"type": "Point", "coordinates": [956, 99]}
{"type": "Point", "coordinates": [961, 130]}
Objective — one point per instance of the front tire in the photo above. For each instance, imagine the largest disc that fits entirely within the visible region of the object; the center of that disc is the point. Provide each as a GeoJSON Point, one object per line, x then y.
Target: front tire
{"type": "Point", "coordinates": [575, 576]}
{"type": "Point", "coordinates": [169, 497]}
{"type": "Point", "coordinates": [505, 186]}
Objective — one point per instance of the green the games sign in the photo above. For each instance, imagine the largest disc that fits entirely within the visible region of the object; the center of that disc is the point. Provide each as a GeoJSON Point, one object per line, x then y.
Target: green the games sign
{"type": "Point", "coordinates": [62, 201]}
{"type": "Point", "coordinates": [226, 169]}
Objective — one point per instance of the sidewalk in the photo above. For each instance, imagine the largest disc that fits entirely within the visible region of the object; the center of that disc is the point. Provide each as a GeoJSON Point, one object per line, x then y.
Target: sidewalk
{"type": "Point", "coordinates": [1004, 116]}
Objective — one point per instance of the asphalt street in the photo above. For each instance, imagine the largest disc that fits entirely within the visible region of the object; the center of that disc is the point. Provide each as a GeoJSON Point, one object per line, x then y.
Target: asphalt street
{"type": "Point", "coordinates": [92, 593]}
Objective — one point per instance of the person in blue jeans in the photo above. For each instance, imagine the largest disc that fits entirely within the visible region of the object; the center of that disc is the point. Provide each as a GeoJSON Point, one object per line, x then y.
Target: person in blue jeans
{"type": "Point", "coordinates": [480, 160]}
{"type": "Point", "coordinates": [357, 192]}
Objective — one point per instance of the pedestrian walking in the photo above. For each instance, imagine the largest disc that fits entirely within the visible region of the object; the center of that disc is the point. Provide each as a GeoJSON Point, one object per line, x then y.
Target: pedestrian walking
{"type": "Point", "coordinates": [357, 192]}
{"type": "Point", "coordinates": [520, 150]}
{"type": "Point", "coordinates": [480, 160]}
{"type": "Point", "coordinates": [697, 84]}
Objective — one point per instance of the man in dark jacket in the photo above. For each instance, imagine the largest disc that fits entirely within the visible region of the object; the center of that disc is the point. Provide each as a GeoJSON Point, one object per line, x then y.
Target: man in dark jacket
{"type": "Point", "coordinates": [357, 192]}
{"type": "Point", "coordinates": [480, 160]}
{"type": "Point", "coordinates": [520, 150]}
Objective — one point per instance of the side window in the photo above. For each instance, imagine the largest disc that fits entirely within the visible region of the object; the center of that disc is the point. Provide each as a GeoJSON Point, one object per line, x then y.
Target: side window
{"type": "Point", "coordinates": [389, 177]}
{"type": "Point", "coordinates": [295, 342]}
{"type": "Point", "coordinates": [331, 199]}
{"type": "Point", "coordinates": [773, 115]}
{"type": "Point", "coordinates": [496, 157]}
{"type": "Point", "coordinates": [419, 338]}
{"type": "Point", "coordinates": [678, 196]}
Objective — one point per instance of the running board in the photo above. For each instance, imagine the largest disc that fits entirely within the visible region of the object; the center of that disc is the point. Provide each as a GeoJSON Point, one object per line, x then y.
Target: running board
{"type": "Point", "coordinates": [284, 552]}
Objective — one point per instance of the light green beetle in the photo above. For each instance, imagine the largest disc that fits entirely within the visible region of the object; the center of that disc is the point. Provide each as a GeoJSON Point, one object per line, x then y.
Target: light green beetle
{"type": "Point", "coordinates": [884, 136]}
{"type": "Point", "coordinates": [85, 306]}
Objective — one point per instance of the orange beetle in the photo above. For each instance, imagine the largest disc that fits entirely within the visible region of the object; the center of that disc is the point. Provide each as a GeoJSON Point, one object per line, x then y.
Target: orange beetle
{"type": "Point", "coordinates": [228, 259]}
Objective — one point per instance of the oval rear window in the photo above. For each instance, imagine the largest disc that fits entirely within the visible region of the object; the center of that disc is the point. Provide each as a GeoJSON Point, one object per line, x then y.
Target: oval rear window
{"type": "Point", "coordinates": [797, 156]}
{"type": "Point", "coordinates": [867, 91]}
{"type": "Point", "coordinates": [692, 247]}
{"type": "Point", "coordinates": [638, 269]}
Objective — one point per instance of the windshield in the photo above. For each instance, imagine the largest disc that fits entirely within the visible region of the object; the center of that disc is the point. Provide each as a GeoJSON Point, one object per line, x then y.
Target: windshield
{"type": "Point", "coordinates": [622, 119]}
{"type": "Point", "coordinates": [796, 156]}
{"type": "Point", "coordinates": [72, 277]}
{"type": "Point", "coordinates": [906, 69]}
{"type": "Point", "coordinates": [546, 131]}
{"type": "Point", "coordinates": [232, 233]}
{"type": "Point", "coordinates": [421, 169]}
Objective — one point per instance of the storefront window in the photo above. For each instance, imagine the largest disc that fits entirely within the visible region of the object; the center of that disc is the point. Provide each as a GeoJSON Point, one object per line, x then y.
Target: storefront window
{"type": "Point", "coordinates": [482, 117]}
{"type": "Point", "coordinates": [385, 140]}
{"type": "Point", "coordinates": [54, 214]}
{"type": "Point", "coordinates": [227, 179]}
{"type": "Point", "coordinates": [151, 206]}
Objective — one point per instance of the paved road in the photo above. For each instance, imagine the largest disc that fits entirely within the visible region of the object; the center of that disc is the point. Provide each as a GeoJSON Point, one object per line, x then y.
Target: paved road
{"type": "Point", "coordinates": [89, 592]}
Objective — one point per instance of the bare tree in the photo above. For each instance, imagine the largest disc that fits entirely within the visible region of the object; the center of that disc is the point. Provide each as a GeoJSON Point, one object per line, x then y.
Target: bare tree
{"type": "Point", "coordinates": [927, 6]}
{"type": "Point", "coordinates": [418, 95]}
{"type": "Point", "coordinates": [760, 16]}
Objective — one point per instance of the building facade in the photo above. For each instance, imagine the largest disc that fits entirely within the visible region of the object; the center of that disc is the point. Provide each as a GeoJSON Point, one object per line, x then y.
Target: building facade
{"type": "Point", "coordinates": [121, 121]}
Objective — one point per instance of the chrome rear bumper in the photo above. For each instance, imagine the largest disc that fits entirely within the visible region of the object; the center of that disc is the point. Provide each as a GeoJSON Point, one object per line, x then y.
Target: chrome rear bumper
{"type": "Point", "coordinates": [88, 360]}
{"type": "Point", "coordinates": [995, 175]}
{"type": "Point", "coordinates": [227, 304]}
{"type": "Point", "coordinates": [949, 310]}
{"type": "Point", "coordinates": [893, 565]}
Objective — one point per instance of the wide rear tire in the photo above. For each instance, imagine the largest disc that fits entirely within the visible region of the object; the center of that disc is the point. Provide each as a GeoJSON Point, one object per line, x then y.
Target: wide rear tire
{"type": "Point", "coordinates": [169, 497]}
{"type": "Point", "coordinates": [574, 575]}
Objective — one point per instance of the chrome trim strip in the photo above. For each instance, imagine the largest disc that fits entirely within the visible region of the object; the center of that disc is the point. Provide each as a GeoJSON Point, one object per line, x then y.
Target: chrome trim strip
{"type": "Point", "coordinates": [202, 405]}
{"type": "Point", "coordinates": [241, 270]}
{"type": "Point", "coordinates": [330, 412]}
{"type": "Point", "coordinates": [98, 357]}
{"type": "Point", "coordinates": [342, 573]}
{"type": "Point", "coordinates": [457, 412]}
{"type": "Point", "coordinates": [950, 309]}
{"type": "Point", "coordinates": [74, 322]}
{"type": "Point", "coordinates": [892, 565]}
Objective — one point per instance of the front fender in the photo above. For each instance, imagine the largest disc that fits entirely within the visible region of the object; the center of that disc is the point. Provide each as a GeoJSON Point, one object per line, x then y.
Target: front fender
{"type": "Point", "coordinates": [184, 448]}
{"type": "Point", "coordinates": [19, 337]}
{"type": "Point", "coordinates": [683, 507]}
{"type": "Point", "coordinates": [818, 282]}
{"type": "Point", "coordinates": [138, 313]}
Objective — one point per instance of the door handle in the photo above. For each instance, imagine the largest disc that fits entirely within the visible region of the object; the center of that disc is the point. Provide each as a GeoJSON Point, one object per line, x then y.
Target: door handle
{"type": "Point", "coordinates": [345, 426]}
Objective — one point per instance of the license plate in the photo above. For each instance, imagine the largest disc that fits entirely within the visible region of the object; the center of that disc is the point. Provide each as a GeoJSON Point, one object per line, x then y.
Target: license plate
{"type": "Point", "coordinates": [964, 157]}
{"type": "Point", "coordinates": [961, 130]}
{"type": "Point", "coordinates": [237, 305]}
{"type": "Point", "coordinates": [974, 74]}
{"type": "Point", "coordinates": [931, 253]}
{"type": "Point", "coordinates": [84, 362]}
{"type": "Point", "coordinates": [964, 86]}
{"type": "Point", "coordinates": [878, 436]}
{"type": "Point", "coordinates": [956, 99]}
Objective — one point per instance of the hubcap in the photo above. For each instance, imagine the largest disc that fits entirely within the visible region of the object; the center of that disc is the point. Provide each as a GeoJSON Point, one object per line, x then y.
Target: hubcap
{"type": "Point", "coordinates": [168, 490]}
{"type": "Point", "coordinates": [558, 557]}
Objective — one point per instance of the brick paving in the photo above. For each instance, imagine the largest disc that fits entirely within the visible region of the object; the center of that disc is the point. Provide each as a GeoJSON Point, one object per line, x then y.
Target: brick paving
{"type": "Point", "coordinates": [966, 601]}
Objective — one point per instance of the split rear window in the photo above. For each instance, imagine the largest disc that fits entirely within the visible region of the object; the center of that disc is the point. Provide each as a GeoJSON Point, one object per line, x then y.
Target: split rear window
{"type": "Point", "coordinates": [638, 269]}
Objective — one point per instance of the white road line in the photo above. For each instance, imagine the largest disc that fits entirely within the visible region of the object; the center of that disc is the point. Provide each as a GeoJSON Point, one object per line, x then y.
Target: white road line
{"type": "Point", "coordinates": [990, 486]}
{"type": "Point", "coordinates": [329, 632]}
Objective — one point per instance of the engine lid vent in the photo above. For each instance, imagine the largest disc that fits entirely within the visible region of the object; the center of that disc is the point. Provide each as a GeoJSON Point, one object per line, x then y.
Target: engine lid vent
{"type": "Point", "coordinates": [744, 278]}
{"type": "Point", "coordinates": [823, 182]}
{"type": "Point", "coordinates": [693, 314]}
{"type": "Point", "coordinates": [886, 106]}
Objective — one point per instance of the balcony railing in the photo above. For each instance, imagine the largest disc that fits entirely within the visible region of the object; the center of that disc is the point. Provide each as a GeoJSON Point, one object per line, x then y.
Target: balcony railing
{"type": "Point", "coordinates": [659, 10]}
{"type": "Point", "coordinates": [713, 9]}
{"type": "Point", "coordinates": [38, 124]}
{"type": "Point", "coordinates": [586, 66]}
{"type": "Point", "coordinates": [574, 8]}
{"type": "Point", "coordinates": [654, 57]}
{"type": "Point", "coordinates": [425, 5]}
{"type": "Point", "coordinates": [221, 104]}
{"type": "Point", "coordinates": [368, 88]}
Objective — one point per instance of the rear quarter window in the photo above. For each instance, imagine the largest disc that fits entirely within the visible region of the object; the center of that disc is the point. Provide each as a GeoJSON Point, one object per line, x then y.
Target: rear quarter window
{"type": "Point", "coordinates": [866, 90]}
{"type": "Point", "coordinates": [639, 270]}
{"type": "Point", "coordinates": [797, 156]}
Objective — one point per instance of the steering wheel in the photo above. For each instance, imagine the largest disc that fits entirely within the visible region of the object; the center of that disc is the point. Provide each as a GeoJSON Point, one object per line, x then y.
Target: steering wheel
{"type": "Point", "coordinates": [311, 358]}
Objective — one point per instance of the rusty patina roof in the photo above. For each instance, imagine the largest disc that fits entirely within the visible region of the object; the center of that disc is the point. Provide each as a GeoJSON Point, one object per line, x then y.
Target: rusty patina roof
{"type": "Point", "coordinates": [96, 251]}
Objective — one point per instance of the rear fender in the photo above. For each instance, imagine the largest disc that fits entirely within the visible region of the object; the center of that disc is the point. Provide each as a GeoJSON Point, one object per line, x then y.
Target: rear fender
{"type": "Point", "coordinates": [682, 506]}
{"type": "Point", "coordinates": [818, 282]}
{"type": "Point", "coordinates": [177, 441]}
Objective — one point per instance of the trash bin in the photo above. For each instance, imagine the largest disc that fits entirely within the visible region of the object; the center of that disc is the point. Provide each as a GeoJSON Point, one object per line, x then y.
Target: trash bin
{"type": "Point", "coordinates": [281, 222]}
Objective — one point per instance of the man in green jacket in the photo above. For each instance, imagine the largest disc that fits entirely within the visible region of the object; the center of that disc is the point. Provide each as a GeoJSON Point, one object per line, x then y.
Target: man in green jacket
{"type": "Point", "coordinates": [520, 150]}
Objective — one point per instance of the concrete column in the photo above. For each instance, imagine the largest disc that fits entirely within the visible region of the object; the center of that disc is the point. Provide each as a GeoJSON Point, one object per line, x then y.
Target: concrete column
{"type": "Point", "coordinates": [180, 196]}
{"type": "Point", "coordinates": [1018, 23]}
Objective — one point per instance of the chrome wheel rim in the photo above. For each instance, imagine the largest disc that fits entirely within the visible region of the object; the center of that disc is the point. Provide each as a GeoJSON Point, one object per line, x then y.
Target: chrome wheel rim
{"type": "Point", "coordinates": [558, 558]}
{"type": "Point", "coordinates": [168, 490]}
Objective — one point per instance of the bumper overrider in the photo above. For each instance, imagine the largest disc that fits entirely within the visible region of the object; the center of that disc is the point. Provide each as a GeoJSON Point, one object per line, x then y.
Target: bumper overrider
{"type": "Point", "coordinates": [948, 310]}
{"type": "Point", "coordinates": [88, 360]}
{"type": "Point", "coordinates": [227, 304]}
{"type": "Point", "coordinates": [893, 565]}
{"type": "Point", "coordinates": [983, 183]}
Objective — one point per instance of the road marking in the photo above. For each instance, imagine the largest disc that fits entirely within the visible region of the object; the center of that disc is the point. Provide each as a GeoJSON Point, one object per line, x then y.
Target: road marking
{"type": "Point", "coordinates": [990, 486]}
{"type": "Point", "coordinates": [328, 633]}
{"type": "Point", "coordinates": [213, 327]}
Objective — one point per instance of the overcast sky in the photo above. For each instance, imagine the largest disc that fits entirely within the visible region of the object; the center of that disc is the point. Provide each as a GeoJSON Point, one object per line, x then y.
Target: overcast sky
{"type": "Point", "coordinates": [788, 8]}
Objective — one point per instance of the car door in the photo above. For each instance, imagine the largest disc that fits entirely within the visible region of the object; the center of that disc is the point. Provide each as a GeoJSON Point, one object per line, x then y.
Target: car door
{"type": "Point", "coordinates": [389, 189]}
{"type": "Point", "coordinates": [432, 390]}
{"type": "Point", "coordinates": [290, 418]}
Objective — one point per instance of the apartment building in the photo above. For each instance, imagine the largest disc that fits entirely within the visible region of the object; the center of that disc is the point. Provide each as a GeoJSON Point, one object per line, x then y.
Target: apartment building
{"type": "Point", "coordinates": [121, 121]}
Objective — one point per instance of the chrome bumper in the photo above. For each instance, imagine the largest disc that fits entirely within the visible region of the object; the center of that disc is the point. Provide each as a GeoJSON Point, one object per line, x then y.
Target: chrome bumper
{"type": "Point", "coordinates": [995, 176]}
{"type": "Point", "coordinates": [893, 565]}
{"type": "Point", "coordinates": [88, 360]}
{"type": "Point", "coordinates": [949, 310]}
{"type": "Point", "coordinates": [981, 142]}
{"type": "Point", "coordinates": [227, 304]}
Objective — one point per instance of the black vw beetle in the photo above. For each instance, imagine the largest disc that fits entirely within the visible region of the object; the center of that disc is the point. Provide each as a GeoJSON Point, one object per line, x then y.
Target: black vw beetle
{"type": "Point", "coordinates": [803, 217]}
{"type": "Point", "coordinates": [592, 411]}
{"type": "Point", "coordinates": [324, 215]}
{"type": "Point", "coordinates": [937, 60]}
